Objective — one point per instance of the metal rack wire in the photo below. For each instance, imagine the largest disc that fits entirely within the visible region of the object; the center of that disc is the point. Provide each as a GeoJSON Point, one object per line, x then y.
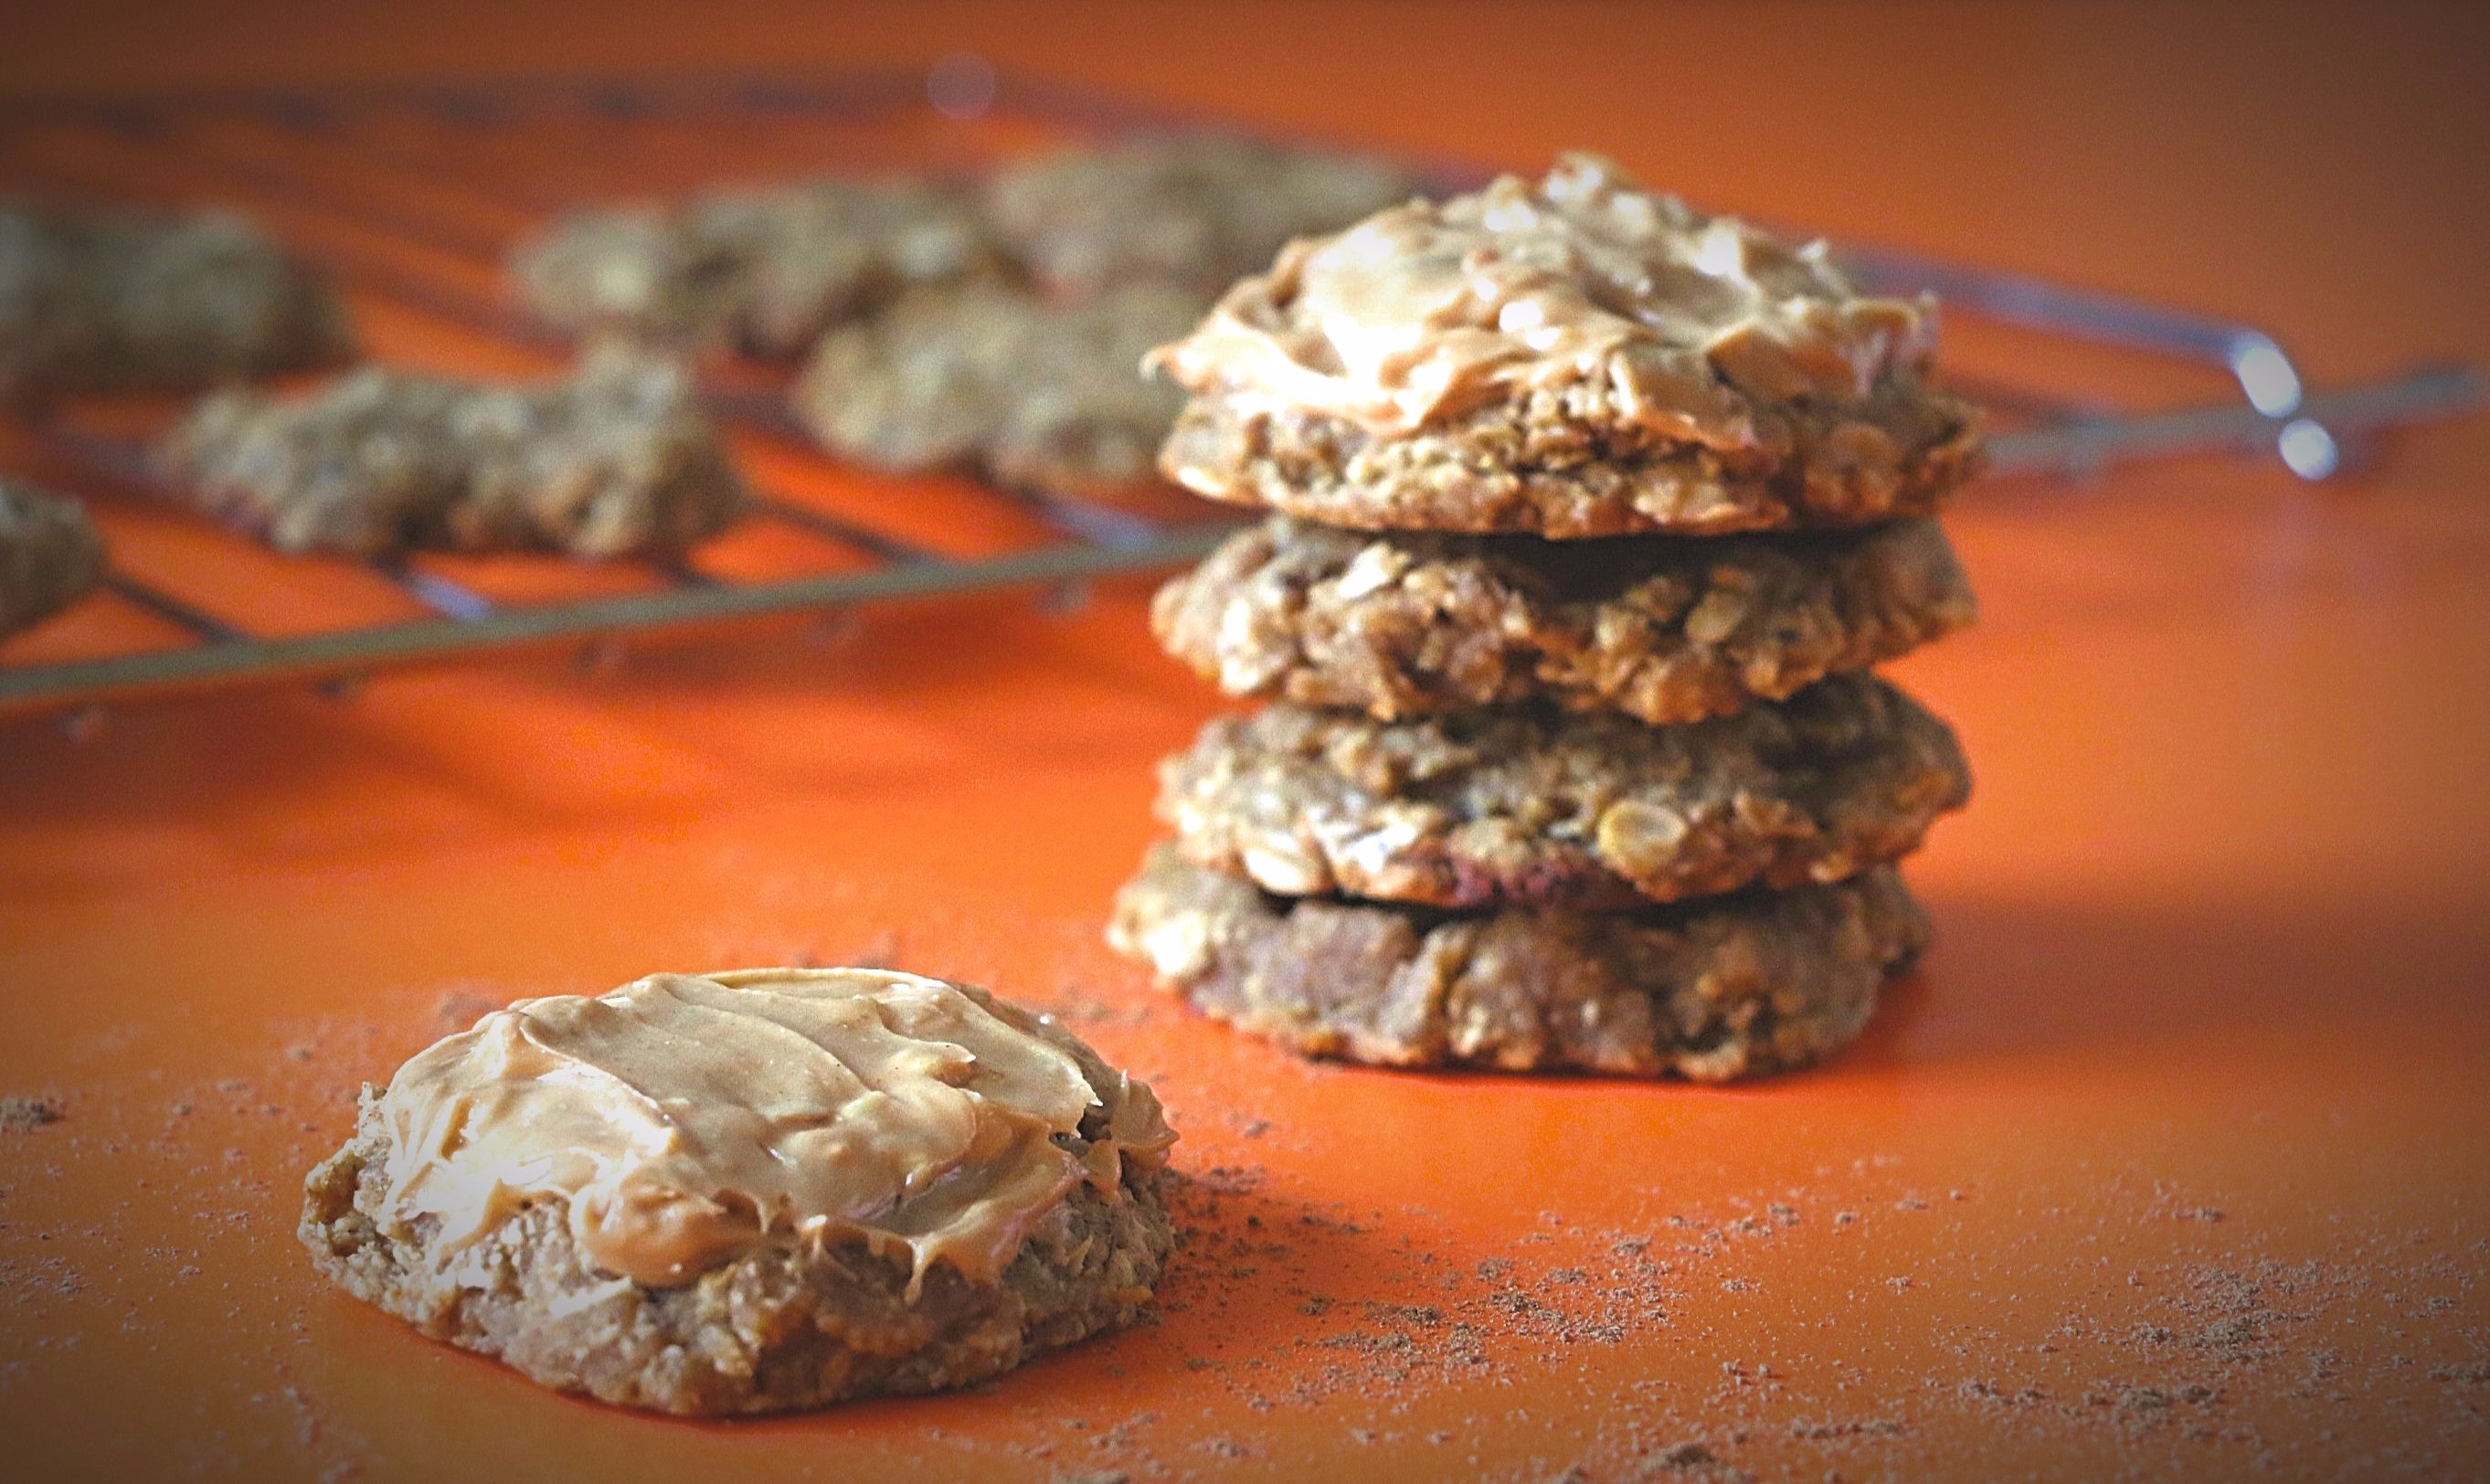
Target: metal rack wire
{"type": "Point", "coordinates": [411, 194]}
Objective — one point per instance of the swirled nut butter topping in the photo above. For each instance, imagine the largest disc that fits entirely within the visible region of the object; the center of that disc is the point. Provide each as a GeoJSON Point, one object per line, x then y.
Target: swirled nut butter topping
{"type": "Point", "coordinates": [1679, 321]}
{"type": "Point", "coordinates": [689, 1118]}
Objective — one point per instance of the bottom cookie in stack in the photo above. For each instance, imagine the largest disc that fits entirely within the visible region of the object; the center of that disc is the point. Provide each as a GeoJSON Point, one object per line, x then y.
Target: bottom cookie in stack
{"type": "Point", "coordinates": [1711, 989]}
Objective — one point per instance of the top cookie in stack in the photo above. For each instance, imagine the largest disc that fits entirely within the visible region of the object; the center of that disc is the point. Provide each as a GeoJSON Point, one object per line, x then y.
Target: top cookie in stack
{"type": "Point", "coordinates": [1572, 358]}
{"type": "Point", "coordinates": [1528, 799]}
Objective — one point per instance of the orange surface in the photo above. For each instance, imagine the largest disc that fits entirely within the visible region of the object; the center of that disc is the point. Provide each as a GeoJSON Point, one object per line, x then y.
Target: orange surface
{"type": "Point", "coordinates": [2168, 1161]}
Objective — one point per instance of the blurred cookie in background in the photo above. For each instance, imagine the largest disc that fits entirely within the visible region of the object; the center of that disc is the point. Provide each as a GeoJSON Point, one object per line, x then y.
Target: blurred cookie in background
{"type": "Point", "coordinates": [51, 555]}
{"type": "Point", "coordinates": [616, 459]}
{"type": "Point", "coordinates": [1197, 208]}
{"type": "Point", "coordinates": [132, 299]}
{"type": "Point", "coordinates": [762, 271]}
{"type": "Point", "coordinates": [998, 381]}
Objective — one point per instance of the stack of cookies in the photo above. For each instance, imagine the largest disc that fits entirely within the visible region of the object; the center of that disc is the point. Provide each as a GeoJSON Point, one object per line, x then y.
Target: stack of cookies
{"type": "Point", "coordinates": [1589, 514]}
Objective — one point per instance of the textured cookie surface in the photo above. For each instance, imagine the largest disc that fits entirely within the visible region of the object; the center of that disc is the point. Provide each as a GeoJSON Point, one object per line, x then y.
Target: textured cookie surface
{"type": "Point", "coordinates": [740, 1193]}
{"type": "Point", "coordinates": [773, 1331]}
{"type": "Point", "coordinates": [765, 271]}
{"type": "Point", "coordinates": [996, 380]}
{"type": "Point", "coordinates": [145, 300]}
{"type": "Point", "coordinates": [1573, 357]}
{"type": "Point", "coordinates": [1592, 811]}
{"type": "Point", "coordinates": [1658, 627]}
{"type": "Point", "coordinates": [1199, 209]}
{"type": "Point", "coordinates": [615, 460]}
{"type": "Point", "coordinates": [51, 555]}
{"type": "Point", "coordinates": [1710, 990]}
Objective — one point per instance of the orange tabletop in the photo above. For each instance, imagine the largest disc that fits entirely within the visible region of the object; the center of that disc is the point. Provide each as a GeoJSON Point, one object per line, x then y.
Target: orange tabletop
{"type": "Point", "coordinates": [2168, 1161]}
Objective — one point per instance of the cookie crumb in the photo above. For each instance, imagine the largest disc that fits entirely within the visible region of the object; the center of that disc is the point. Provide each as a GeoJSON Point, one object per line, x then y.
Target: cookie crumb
{"type": "Point", "coordinates": [1875, 1427]}
{"type": "Point", "coordinates": [25, 1115]}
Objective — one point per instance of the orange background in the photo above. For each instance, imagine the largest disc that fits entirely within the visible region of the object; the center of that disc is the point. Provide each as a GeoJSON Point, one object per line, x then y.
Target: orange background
{"type": "Point", "coordinates": [2168, 1159]}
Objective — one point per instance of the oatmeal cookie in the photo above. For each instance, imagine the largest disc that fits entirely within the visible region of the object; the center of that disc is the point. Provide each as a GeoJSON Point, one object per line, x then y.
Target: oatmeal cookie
{"type": "Point", "coordinates": [1592, 812]}
{"type": "Point", "coordinates": [992, 379]}
{"type": "Point", "coordinates": [617, 459]}
{"type": "Point", "coordinates": [750, 1192]}
{"type": "Point", "coordinates": [134, 300]}
{"type": "Point", "coordinates": [1198, 209]}
{"type": "Point", "coordinates": [1573, 357]}
{"type": "Point", "coordinates": [1712, 990]}
{"type": "Point", "coordinates": [765, 271]}
{"type": "Point", "coordinates": [1660, 627]}
{"type": "Point", "coordinates": [51, 555]}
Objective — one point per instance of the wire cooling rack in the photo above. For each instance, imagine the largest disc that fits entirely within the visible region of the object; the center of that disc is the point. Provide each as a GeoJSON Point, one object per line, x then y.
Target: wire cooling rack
{"type": "Point", "coordinates": [412, 195]}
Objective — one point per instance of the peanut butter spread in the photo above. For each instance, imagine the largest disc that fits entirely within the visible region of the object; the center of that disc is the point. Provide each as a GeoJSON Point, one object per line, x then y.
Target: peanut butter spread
{"type": "Point", "coordinates": [689, 1118]}
{"type": "Point", "coordinates": [1687, 322]}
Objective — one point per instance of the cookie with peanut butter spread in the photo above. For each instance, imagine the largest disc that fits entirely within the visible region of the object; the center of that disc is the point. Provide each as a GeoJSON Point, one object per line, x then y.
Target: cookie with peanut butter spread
{"type": "Point", "coordinates": [1575, 356]}
{"type": "Point", "coordinates": [752, 1191]}
{"type": "Point", "coordinates": [1402, 624]}
{"type": "Point", "coordinates": [51, 555]}
{"type": "Point", "coordinates": [994, 380]}
{"type": "Point", "coordinates": [1200, 209]}
{"type": "Point", "coordinates": [764, 270]}
{"type": "Point", "coordinates": [1592, 811]}
{"type": "Point", "coordinates": [1712, 990]}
